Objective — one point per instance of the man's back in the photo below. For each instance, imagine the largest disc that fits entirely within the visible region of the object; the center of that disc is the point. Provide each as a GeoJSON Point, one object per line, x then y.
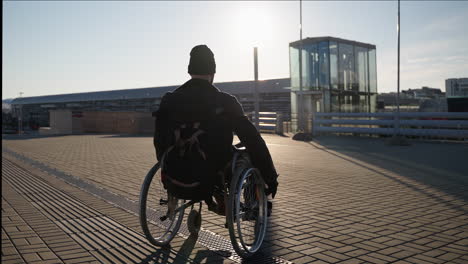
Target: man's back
{"type": "Point", "coordinates": [197, 101]}
{"type": "Point", "coordinates": [218, 115]}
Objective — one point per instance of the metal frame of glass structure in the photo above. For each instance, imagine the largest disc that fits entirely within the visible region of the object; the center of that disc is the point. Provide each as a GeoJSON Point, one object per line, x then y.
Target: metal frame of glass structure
{"type": "Point", "coordinates": [338, 75]}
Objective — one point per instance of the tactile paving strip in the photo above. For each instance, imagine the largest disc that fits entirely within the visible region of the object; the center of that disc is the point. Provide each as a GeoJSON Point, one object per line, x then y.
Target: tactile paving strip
{"type": "Point", "coordinates": [212, 241]}
{"type": "Point", "coordinates": [104, 238]}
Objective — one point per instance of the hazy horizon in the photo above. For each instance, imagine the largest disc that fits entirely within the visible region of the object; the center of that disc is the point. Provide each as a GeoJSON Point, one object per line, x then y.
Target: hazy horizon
{"type": "Point", "coordinates": [72, 47]}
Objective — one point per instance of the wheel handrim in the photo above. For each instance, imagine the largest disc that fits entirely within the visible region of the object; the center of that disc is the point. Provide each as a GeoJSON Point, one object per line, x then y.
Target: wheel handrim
{"type": "Point", "coordinates": [250, 211]}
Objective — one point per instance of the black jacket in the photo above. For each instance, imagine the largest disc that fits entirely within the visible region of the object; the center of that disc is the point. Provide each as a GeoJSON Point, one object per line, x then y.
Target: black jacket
{"type": "Point", "coordinates": [221, 115]}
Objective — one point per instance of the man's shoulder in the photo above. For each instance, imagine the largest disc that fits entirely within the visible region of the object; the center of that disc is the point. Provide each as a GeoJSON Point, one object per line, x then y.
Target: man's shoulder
{"type": "Point", "coordinates": [166, 96]}
{"type": "Point", "coordinates": [207, 91]}
{"type": "Point", "coordinates": [230, 104]}
{"type": "Point", "coordinates": [226, 97]}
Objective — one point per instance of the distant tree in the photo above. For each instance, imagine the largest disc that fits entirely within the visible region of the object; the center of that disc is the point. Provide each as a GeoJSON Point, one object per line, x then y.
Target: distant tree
{"type": "Point", "coordinates": [8, 120]}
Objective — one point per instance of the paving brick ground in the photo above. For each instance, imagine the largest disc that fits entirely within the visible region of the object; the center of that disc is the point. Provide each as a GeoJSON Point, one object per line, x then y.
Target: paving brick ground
{"type": "Point", "coordinates": [45, 220]}
{"type": "Point", "coordinates": [340, 200]}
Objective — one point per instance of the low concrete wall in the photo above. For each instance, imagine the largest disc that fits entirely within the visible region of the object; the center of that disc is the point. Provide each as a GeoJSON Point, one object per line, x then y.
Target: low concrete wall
{"type": "Point", "coordinates": [117, 122]}
{"type": "Point", "coordinates": [61, 122]}
{"type": "Point", "coordinates": [77, 122]}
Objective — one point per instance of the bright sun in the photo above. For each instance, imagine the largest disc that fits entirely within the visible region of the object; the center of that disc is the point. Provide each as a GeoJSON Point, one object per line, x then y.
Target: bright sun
{"type": "Point", "coordinates": [252, 26]}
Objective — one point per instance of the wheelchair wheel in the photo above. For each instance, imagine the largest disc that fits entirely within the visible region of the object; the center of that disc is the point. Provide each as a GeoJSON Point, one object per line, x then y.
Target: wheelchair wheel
{"type": "Point", "coordinates": [247, 212]}
{"type": "Point", "coordinates": [160, 214]}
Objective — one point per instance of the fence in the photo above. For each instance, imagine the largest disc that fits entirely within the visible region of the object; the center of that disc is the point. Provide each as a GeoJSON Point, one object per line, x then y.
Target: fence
{"type": "Point", "coordinates": [419, 124]}
{"type": "Point", "coordinates": [269, 122]}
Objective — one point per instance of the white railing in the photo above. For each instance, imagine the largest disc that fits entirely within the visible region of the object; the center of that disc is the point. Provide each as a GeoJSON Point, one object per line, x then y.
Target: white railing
{"type": "Point", "coordinates": [269, 122]}
{"type": "Point", "coordinates": [422, 124]}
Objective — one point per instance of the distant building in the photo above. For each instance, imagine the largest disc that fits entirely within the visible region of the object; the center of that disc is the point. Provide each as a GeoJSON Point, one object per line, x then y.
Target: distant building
{"type": "Point", "coordinates": [456, 87]}
{"type": "Point", "coordinates": [457, 94]}
{"type": "Point", "coordinates": [424, 99]}
{"type": "Point", "coordinates": [423, 93]}
{"type": "Point", "coordinates": [109, 111]}
{"type": "Point", "coordinates": [433, 105]}
{"type": "Point", "coordinates": [387, 102]}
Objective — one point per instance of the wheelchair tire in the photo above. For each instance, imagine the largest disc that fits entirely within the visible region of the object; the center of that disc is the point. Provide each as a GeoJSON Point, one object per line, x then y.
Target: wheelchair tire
{"type": "Point", "coordinates": [247, 212]}
{"type": "Point", "coordinates": [158, 224]}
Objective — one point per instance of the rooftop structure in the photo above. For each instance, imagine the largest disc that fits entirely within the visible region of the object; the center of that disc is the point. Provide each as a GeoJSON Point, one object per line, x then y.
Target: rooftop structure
{"type": "Point", "coordinates": [242, 87]}
{"type": "Point", "coordinates": [338, 75]}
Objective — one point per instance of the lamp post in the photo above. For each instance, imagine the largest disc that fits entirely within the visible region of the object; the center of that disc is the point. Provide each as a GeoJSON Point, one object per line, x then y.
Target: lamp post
{"type": "Point", "coordinates": [397, 139]}
{"type": "Point", "coordinates": [20, 116]}
{"type": "Point", "coordinates": [256, 96]}
{"type": "Point", "coordinates": [300, 101]}
{"type": "Point", "coordinates": [398, 74]}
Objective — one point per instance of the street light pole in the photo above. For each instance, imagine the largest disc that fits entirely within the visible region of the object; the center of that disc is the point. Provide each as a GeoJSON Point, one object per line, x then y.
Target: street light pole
{"type": "Point", "coordinates": [257, 104]}
{"type": "Point", "coordinates": [398, 75]}
{"type": "Point", "coordinates": [300, 101]}
{"type": "Point", "coordinates": [20, 116]}
{"type": "Point", "coordinates": [397, 139]}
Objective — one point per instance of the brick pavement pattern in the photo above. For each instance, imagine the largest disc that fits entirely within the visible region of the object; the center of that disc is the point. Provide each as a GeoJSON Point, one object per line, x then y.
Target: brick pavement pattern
{"type": "Point", "coordinates": [340, 200]}
{"type": "Point", "coordinates": [45, 220]}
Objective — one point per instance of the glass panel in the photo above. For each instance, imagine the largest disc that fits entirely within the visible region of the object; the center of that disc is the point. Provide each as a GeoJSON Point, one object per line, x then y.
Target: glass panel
{"type": "Point", "coordinates": [308, 106]}
{"type": "Point", "coordinates": [346, 106]}
{"type": "Point", "coordinates": [294, 110]}
{"type": "Point", "coordinates": [373, 103]}
{"type": "Point", "coordinates": [312, 67]}
{"type": "Point", "coordinates": [372, 72]}
{"type": "Point", "coordinates": [335, 105]}
{"type": "Point", "coordinates": [294, 68]}
{"type": "Point", "coordinates": [346, 67]}
{"type": "Point", "coordinates": [355, 102]}
{"type": "Point", "coordinates": [362, 69]}
{"type": "Point", "coordinates": [363, 103]}
{"type": "Point", "coordinates": [324, 67]}
{"type": "Point", "coordinates": [305, 69]}
{"type": "Point", "coordinates": [333, 65]}
{"type": "Point", "coordinates": [326, 101]}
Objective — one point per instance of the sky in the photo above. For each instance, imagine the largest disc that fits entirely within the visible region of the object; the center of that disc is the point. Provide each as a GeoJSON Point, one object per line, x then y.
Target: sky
{"type": "Point", "coordinates": [58, 47]}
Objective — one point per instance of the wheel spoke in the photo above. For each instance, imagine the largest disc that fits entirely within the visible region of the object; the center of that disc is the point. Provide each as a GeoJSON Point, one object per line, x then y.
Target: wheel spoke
{"type": "Point", "coordinates": [158, 222]}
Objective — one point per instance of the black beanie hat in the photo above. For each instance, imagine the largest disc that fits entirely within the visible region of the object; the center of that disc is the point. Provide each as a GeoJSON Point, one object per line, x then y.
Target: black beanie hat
{"type": "Point", "coordinates": [202, 61]}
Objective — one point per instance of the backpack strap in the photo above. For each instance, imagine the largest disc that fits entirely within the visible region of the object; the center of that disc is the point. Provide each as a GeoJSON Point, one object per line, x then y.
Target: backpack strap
{"type": "Point", "coordinates": [181, 184]}
{"type": "Point", "coordinates": [191, 141]}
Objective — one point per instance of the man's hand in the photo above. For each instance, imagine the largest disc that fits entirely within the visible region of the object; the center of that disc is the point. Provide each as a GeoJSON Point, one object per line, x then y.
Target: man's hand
{"type": "Point", "coordinates": [272, 188]}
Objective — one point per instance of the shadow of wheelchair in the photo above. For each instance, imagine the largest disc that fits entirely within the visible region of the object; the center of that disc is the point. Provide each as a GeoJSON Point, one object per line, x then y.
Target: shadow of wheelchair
{"type": "Point", "coordinates": [160, 256]}
{"type": "Point", "coordinates": [185, 254]}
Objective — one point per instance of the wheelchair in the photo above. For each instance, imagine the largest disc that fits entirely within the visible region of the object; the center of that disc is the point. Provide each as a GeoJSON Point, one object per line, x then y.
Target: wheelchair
{"type": "Point", "coordinates": [161, 214]}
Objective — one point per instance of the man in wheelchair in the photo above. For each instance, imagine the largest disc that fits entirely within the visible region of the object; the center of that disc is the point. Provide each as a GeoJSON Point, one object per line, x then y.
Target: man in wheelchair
{"type": "Point", "coordinates": [194, 135]}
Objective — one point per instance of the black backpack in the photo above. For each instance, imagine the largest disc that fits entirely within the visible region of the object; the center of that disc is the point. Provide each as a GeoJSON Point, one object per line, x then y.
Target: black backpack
{"type": "Point", "coordinates": [188, 171]}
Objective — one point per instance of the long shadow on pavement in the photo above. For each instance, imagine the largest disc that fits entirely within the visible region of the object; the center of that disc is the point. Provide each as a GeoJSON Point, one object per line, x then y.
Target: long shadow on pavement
{"type": "Point", "coordinates": [442, 166]}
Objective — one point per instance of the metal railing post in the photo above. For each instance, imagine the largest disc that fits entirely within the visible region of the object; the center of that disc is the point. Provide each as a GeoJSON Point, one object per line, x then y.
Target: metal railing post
{"type": "Point", "coordinates": [279, 123]}
{"type": "Point", "coordinates": [314, 129]}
